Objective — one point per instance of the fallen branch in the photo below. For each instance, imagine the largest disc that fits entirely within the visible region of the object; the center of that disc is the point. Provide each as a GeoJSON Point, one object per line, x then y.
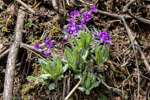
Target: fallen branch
{"type": "Point", "coordinates": [143, 20]}
{"type": "Point", "coordinates": [115, 90]}
{"type": "Point", "coordinates": [4, 54]}
{"type": "Point", "coordinates": [125, 8]}
{"type": "Point", "coordinates": [64, 87]}
{"type": "Point", "coordinates": [25, 6]}
{"type": "Point", "coordinates": [133, 46]}
{"type": "Point", "coordinates": [23, 45]}
{"type": "Point", "coordinates": [11, 62]}
{"type": "Point", "coordinates": [32, 49]}
{"type": "Point", "coordinates": [74, 88]}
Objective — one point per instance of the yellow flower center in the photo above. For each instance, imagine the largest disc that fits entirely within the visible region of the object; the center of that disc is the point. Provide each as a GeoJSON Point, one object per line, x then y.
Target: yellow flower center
{"type": "Point", "coordinates": [74, 14]}
{"type": "Point", "coordinates": [70, 32]}
{"type": "Point", "coordinates": [87, 16]}
{"type": "Point", "coordinates": [83, 21]}
{"type": "Point", "coordinates": [107, 38]}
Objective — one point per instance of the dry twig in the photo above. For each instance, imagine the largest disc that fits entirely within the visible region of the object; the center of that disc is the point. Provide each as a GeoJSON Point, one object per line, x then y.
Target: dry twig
{"type": "Point", "coordinates": [115, 90]}
{"type": "Point", "coordinates": [125, 8]}
{"type": "Point", "coordinates": [25, 6]}
{"type": "Point", "coordinates": [4, 54]}
{"type": "Point", "coordinates": [11, 62]}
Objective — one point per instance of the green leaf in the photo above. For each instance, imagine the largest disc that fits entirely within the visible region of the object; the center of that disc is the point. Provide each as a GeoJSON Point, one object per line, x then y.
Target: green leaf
{"type": "Point", "coordinates": [127, 97]}
{"type": "Point", "coordinates": [41, 81]}
{"type": "Point", "coordinates": [51, 86]}
{"type": "Point", "coordinates": [45, 76]}
{"type": "Point", "coordinates": [45, 68]}
{"type": "Point", "coordinates": [29, 24]}
{"type": "Point", "coordinates": [87, 83]}
{"type": "Point", "coordinates": [87, 92]}
{"type": "Point", "coordinates": [42, 61]}
{"type": "Point", "coordinates": [93, 78]}
{"type": "Point", "coordinates": [102, 96]}
{"type": "Point", "coordinates": [84, 78]}
{"type": "Point", "coordinates": [59, 65]}
{"type": "Point", "coordinates": [104, 54]}
{"type": "Point", "coordinates": [69, 56]}
{"type": "Point", "coordinates": [81, 89]}
{"type": "Point", "coordinates": [88, 41]}
{"type": "Point", "coordinates": [31, 78]}
{"type": "Point", "coordinates": [95, 84]}
{"type": "Point", "coordinates": [102, 77]}
{"type": "Point", "coordinates": [77, 76]}
{"type": "Point", "coordinates": [85, 55]}
{"type": "Point", "coordinates": [60, 77]}
{"type": "Point", "coordinates": [64, 61]}
{"type": "Point", "coordinates": [65, 68]}
{"type": "Point", "coordinates": [75, 41]}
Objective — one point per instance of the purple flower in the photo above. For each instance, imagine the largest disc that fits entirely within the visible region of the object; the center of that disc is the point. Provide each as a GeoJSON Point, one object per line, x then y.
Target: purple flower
{"type": "Point", "coordinates": [71, 31]}
{"type": "Point", "coordinates": [47, 53]}
{"type": "Point", "coordinates": [64, 39]}
{"type": "Point", "coordinates": [72, 23]}
{"type": "Point", "coordinates": [83, 21]}
{"type": "Point", "coordinates": [79, 12]}
{"type": "Point", "coordinates": [82, 26]}
{"type": "Point", "coordinates": [53, 43]}
{"type": "Point", "coordinates": [77, 28]}
{"type": "Point", "coordinates": [78, 37]}
{"type": "Point", "coordinates": [95, 35]}
{"type": "Point", "coordinates": [93, 9]}
{"type": "Point", "coordinates": [106, 38]}
{"type": "Point", "coordinates": [48, 43]}
{"type": "Point", "coordinates": [101, 43]}
{"type": "Point", "coordinates": [111, 44]}
{"type": "Point", "coordinates": [37, 46]}
{"type": "Point", "coordinates": [101, 34]}
{"type": "Point", "coordinates": [87, 16]}
{"type": "Point", "coordinates": [74, 14]}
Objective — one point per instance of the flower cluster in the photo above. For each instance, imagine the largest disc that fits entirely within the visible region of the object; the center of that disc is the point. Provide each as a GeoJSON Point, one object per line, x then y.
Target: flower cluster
{"type": "Point", "coordinates": [73, 27]}
{"type": "Point", "coordinates": [48, 45]}
{"type": "Point", "coordinates": [104, 37]}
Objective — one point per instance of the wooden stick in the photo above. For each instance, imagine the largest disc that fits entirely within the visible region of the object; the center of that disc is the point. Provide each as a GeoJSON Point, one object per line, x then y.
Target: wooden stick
{"type": "Point", "coordinates": [11, 61]}
{"type": "Point", "coordinates": [125, 8]}
{"type": "Point", "coordinates": [4, 54]}
{"type": "Point", "coordinates": [74, 88]}
{"type": "Point", "coordinates": [115, 90]}
{"type": "Point", "coordinates": [25, 6]}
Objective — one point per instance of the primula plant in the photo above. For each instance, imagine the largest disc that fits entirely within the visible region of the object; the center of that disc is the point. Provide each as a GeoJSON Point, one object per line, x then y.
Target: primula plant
{"type": "Point", "coordinates": [87, 46]}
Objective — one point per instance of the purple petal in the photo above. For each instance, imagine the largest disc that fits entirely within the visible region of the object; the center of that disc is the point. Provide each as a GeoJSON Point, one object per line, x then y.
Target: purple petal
{"type": "Point", "coordinates": [106, 38]}
{"type": "Point", "coordinates": [48, 43]}
{"type": "Point", "coordinates": [95, 35]}
{"type": "Point", "coordinates": [53, 43]}
{"type": "Point", "coordinates": [71, 31]}
{"type": "Point", "coordinates": [101, 43]}
{"type": "Point", "coordinates": [87, 16]}
{"type": "Point", "coordinates": [93, 9]}
{"type": "Point", "coordinates": [84, 21]}
{"type": "Point", "coordinates": [101, 34]}
{"type": "Point", "coordinates": [37, 46]}
{"type": "Point", "coordinates": [64, 40]}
